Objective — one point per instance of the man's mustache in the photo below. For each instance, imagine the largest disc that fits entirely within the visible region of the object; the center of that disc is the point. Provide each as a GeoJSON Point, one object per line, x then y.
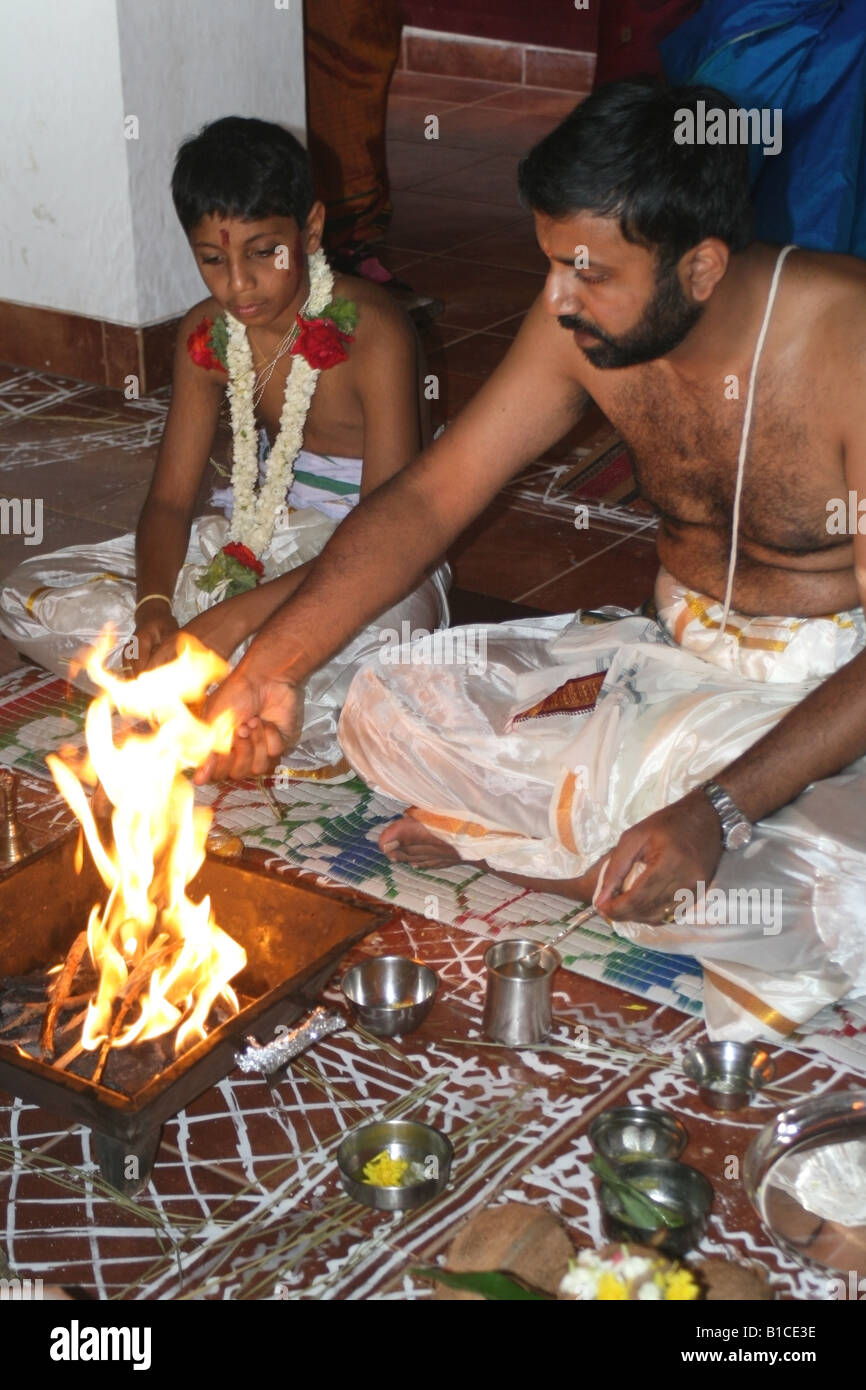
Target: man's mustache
{"type": "Point", "coordinates": [576, 325]}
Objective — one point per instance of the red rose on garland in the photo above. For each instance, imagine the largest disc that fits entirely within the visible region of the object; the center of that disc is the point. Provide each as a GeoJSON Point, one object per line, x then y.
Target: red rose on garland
{"type": "Point", "coordinates": [321, 343]}
{"type": "Point", "coordinates": [198, 345]}
{"type": "Point", "coordinates": [244, 556]}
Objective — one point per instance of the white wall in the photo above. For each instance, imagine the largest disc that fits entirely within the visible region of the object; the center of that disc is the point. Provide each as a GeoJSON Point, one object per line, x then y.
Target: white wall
{"type": "Point", "coordinates": [65, 215]}
{"type": "Point", "coordinates": [86, 219]}
{"type": "Point", "coordinates": [185, 62]}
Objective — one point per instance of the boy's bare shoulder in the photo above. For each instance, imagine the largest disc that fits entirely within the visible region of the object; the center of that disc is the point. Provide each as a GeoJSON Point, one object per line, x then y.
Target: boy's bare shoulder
{"type": "Point", "coordinates": [194, 355]}
{"type": "Point", "coordinates": [205, 309]}
{"type": "Point", "coordinates": [378, 313]}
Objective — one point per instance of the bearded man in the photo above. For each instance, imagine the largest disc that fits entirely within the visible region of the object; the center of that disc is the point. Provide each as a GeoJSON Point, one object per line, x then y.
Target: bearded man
{"type": "Point", "coordinates": [639, 761]}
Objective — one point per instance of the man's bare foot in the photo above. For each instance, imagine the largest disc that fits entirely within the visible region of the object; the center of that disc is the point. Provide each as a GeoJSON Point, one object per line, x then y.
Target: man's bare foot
{"type": "Point", "coordinates": [407, 841]}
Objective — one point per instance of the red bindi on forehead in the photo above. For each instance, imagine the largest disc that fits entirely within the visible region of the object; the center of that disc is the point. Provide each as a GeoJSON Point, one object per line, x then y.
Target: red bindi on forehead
{"type": "Point", "coordinates": [224, 236]}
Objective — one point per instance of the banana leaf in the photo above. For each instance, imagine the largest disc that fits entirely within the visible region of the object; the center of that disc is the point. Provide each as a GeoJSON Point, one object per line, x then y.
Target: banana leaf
{"type": "Point", "coordinates": [640, 1209]}
{"type": "Point", "coordinates": [492, 1284]}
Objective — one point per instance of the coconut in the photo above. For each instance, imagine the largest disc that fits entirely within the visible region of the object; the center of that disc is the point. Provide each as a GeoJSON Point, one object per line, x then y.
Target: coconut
{"type": "Point", "coordinates": [516, 1239]}
{"type": "Point", "coordinates": [726, 1282]}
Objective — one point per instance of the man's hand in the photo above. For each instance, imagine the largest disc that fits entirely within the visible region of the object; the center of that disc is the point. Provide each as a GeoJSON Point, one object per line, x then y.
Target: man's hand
{"type": "Point", "coordinates": [676, 847]}
{"type": "Point", "coordinates": [270, 715]}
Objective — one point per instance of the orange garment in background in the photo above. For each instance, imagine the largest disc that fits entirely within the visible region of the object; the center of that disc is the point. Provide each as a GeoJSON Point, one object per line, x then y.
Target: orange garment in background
{"type": "Point", "coordinates": [351, 51]}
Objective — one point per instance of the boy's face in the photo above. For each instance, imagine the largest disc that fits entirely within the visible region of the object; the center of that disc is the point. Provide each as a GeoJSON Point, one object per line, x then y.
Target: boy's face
{"type": "Point", "coordinates": [257, 270]}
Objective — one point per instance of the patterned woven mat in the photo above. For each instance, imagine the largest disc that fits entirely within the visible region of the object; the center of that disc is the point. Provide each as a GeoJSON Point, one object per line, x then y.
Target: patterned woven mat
{"type": "Point", "coordinates": [332, 832]}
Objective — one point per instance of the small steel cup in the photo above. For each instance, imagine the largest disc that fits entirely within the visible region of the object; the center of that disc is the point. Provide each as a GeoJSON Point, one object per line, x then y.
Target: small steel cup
{"type": "Point", "coordinates": [517, 1008]}
{"type": "Point", "coordinates": [681, 1188]}
{"type": "Point", "coordinates": [629, 1133]}
{"type": "Point", "coordinates": [728, 1074]}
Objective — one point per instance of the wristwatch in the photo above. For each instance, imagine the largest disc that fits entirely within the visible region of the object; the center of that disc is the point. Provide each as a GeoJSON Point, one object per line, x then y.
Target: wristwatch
{"type": "Point", "coordinates": [736, 828]}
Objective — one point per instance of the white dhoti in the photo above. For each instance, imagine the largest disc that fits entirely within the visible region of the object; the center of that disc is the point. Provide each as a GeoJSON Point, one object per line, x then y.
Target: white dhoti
{"type": "Point", "coordinates": [536, 755]}
{"type": "Point", "coordinates": [53, 607]}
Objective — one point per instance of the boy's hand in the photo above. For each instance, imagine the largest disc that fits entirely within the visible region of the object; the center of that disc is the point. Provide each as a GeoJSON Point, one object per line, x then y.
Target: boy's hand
{"type": "Point", "coordinates": [218, 628]}
{"type": "Point", "coordinates": [156, 624]}
{"type": "Point", "coordinates": [270, 715]}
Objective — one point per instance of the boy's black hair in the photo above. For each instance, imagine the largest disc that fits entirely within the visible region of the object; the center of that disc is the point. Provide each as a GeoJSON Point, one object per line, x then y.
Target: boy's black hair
{"type": "Point", "coordinates": [242, 167]}
{"type": "Point", "coordinates": [615, 156]}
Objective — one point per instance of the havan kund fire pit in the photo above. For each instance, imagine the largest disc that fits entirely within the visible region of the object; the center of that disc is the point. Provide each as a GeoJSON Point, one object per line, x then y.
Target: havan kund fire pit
{"type": "Point", "coordinates": [132, 973]}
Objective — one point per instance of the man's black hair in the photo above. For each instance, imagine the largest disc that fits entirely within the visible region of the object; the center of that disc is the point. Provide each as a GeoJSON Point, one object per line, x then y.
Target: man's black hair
{"type": "Point", "coordinates": [615, 156]}
{"type": "Point", "coordinates": [242, 167]}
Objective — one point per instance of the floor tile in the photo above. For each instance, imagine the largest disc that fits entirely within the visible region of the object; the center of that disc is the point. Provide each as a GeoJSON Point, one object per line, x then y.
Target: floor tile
{"type": "Point", "coordinates": [123, 508]}
{"type": "Point", "coordinates": [481, 127]}
{"type": "Point", "coordinates": [410, 163]}
{"type": "Point", "coordinates": [407, 117]}
{"type": "Point", "coordinates": [430, 223]}
{"type": "Point", "coordinates": [58, 530]}
{"type": "Point", "coordinates": [507, 551]}
{"type": "Point", "coordinates": [514, 247]}
{"type": "Point", "coordinates": [476, 355]}
{"type": "Point", "coordinates": [624, 574]}
{"type": "Point", "coordinates": [78, 484]}
{"type": "Point", "coordinates": [491, 180]}
{"type": "Point", "coordinates": [436, 336]}
{"type": "Point", "coordinates": [425, 86]}
{"type": "Point", "coordinates": [469, 607]}
{"type": "Point", "coordinates": [475, 296]}
{"type": "Point", "coordinates": [456, 390]}
{"type": "Point", "coordinates": [533, 101]}
{"type": "Point", "coordinates": [508, 328]}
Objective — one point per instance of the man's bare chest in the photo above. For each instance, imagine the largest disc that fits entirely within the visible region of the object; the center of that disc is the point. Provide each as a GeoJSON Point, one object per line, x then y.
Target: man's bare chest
{"type": "Point", "coordinates": [685, 446]}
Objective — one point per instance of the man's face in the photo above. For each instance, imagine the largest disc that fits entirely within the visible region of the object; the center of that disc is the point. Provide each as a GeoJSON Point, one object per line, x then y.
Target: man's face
{"type": "Point", "coordinates": [609, 294]}
{"type": "Point", "coordinates": [255, 270]}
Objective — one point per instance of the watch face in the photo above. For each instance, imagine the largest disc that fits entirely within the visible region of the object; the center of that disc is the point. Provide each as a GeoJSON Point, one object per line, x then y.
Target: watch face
{"type": "Point", "coordinates": [738, 836]}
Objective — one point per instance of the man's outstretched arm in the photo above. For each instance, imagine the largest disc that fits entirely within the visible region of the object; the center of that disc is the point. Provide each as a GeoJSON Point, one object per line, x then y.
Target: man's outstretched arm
{"type": "Point", "coordinates": [396, 534]}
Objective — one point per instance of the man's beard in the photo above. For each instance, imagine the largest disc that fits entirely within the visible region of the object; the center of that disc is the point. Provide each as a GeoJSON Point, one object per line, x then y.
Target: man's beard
{"type": "Point", "coordinates": [662, 326]}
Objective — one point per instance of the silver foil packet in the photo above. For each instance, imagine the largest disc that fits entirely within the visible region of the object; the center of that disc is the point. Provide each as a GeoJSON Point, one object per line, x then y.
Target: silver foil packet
{"type": "Point", "coordinates": [269, 1057]}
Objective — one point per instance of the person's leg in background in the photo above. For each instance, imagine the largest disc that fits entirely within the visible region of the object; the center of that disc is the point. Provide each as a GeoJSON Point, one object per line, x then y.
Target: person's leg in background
{"type": "Point", "coordinates": [352, 48]}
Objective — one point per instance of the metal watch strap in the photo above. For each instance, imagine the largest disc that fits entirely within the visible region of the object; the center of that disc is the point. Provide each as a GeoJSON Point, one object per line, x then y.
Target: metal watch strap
{"type": "Point", "coordinates": [736, 827]}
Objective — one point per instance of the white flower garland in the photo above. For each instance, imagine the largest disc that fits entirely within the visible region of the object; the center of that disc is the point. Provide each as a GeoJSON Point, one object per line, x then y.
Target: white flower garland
{"type": "Point", "coordinates": [256, 508]}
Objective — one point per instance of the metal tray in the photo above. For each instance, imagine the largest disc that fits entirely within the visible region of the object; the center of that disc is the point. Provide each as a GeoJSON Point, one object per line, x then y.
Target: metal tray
{"type": "Point", "coordinates": [805, 1175]}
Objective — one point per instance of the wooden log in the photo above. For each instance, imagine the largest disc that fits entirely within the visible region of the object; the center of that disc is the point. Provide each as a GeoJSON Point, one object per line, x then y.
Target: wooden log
{"type": "Point", "coordinates": [59, 993]}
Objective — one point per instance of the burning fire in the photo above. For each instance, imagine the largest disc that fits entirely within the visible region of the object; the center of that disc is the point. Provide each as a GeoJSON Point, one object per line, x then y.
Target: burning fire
{"type": "Point", "coordinates": [162, 960]}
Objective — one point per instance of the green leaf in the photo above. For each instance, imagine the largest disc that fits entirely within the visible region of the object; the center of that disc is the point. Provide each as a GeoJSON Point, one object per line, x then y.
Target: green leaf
{"type": "Point", "coordinates": [342, 312]}
{"type": "Point", "coordinates": [640, 1209]}
{"type": "Point", "coordinates": [222, 567]}
{"type": "Point", "coordinates": [491, 1284]}
{"type": "Point", "coordinates": [218, 340]}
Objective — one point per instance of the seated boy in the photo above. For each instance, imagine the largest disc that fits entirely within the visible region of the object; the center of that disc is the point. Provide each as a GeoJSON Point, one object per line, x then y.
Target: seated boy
{"type": "Point", "coordinates": [321, 375]}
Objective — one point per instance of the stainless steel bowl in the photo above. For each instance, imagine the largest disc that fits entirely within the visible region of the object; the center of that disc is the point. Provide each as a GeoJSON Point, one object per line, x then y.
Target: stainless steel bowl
{"type": "Point", "coordinates": [390, 994]}
{"type": "Point", "coordinates": [409, 1139]}
{"type": "Point", "coordinates": [628, 1133]}
{"type": "Point", "coordinates": [805, 1175]}
{"type": "Point", "coordinates": [679, 1187]}
{"type": "Point", "coordinates": [728, 1074]}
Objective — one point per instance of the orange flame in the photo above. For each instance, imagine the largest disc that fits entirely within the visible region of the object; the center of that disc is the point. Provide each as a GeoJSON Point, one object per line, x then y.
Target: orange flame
{"type": "Point", "coordinates": [148, 926]}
